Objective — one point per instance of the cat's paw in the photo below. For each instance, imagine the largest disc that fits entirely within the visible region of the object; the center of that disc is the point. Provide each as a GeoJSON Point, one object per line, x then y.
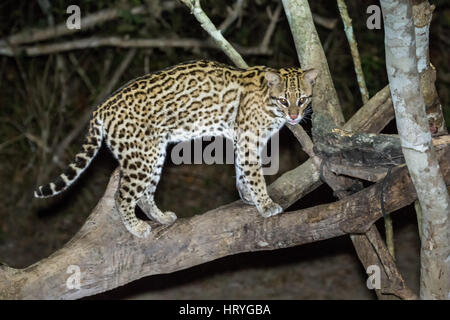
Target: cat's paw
{"type": "Point", "coordinates": [166, 218]}
{"type": "Point", "coordinates": [271, 209]}
{"type": "Point", "coordinates": [140, 230]}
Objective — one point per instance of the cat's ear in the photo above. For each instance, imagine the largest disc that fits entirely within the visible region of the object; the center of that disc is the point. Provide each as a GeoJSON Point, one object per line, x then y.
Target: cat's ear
{"type": "Point", "coordinates": [310, 75]}
{"type": "Point", "coordinates": [272, 78]}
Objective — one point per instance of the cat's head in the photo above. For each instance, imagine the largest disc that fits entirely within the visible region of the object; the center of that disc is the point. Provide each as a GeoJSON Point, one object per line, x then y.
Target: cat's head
{"type": "Point", "coordinates": [290, 90]}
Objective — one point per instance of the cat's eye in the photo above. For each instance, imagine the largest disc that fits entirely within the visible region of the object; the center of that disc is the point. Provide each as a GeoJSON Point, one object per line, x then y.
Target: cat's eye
{"type": "Point", "coordinates": [283, 101]}
{"type": "Point", "coordinates": [302, 100]}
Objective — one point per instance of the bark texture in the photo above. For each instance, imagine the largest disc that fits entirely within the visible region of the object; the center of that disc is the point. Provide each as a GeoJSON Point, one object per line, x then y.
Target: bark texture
{"type": "Point", "coordinates": [311, 55]}
{"type": "Point", "coordinates": [108, 256]}
{"type": "Point", "coordinates": [420, 156]}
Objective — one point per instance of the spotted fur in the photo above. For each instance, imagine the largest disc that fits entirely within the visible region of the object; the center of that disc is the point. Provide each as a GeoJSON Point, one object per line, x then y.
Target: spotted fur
{"type": "Point", "coordinates": [187, 101]}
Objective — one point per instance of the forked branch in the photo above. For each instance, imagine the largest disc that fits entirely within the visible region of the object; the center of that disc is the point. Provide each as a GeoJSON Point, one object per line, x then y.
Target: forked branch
{"type": "Point", "coordinates": [108, 256]}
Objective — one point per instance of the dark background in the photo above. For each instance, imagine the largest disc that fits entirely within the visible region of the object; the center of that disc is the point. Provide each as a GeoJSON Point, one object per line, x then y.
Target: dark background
{"type": "Point", "coordinates": [37, 110]}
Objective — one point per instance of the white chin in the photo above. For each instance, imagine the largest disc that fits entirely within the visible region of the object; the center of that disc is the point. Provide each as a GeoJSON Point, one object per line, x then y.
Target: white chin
{"type": "Point", "coordinates": [296, 121]}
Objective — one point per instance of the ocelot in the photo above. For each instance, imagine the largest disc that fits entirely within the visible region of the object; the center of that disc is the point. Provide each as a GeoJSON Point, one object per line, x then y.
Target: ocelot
{"type": "Point", "coordinates": [183, 102]}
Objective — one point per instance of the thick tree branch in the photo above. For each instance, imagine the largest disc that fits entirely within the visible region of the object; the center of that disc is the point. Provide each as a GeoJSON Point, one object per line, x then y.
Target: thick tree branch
{"type": "Point", "coordinates": [109, 256]}
{"type": "Point", "coordinates": [215, 240]}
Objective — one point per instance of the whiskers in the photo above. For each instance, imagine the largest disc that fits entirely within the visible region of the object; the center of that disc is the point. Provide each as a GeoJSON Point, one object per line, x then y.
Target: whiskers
{"type": "Point", "coordinates": [307, 114]}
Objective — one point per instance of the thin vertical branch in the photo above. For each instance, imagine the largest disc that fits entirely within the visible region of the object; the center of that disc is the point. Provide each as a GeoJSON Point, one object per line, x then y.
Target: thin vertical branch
{"type": "Point", "coordinates": [348, 28]}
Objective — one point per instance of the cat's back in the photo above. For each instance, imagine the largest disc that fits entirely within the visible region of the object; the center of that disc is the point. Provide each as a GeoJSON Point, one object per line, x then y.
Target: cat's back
{"type": "Point", "coordinates": [186, 76]}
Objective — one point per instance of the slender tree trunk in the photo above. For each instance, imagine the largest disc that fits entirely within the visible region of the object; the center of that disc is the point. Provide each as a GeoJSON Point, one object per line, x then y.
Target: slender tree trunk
{"type": "Point", "coordinates": [417, 147]}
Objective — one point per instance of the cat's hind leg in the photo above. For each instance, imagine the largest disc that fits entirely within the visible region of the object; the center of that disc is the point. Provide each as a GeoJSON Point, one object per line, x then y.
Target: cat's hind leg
{"type": "Point", "coordinates": [130, 191]}
{"type": "Point", "coordinates": [140, 167]}
{"type": "Point", "coordinates": [149, 207]}
{"type": "Point", "coordinates": [147, 201]}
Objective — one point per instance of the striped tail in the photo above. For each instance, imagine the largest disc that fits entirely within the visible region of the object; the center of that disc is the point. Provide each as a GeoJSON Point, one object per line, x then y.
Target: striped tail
{"type": "Point", "coordinates": [75, 169]}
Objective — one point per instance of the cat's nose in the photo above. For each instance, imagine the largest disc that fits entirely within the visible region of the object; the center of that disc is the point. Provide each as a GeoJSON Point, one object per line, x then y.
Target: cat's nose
{"type": "Point", "coordinates": [293, 116]}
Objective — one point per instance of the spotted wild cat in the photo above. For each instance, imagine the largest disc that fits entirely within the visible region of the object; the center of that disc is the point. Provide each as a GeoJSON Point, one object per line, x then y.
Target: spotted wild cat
{"type": "Point", "coordinates": [185, 102]}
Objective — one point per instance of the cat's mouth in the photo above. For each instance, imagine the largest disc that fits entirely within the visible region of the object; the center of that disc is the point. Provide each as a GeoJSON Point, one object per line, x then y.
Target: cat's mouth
{"type": "Point", "coordinates": [294, 122]}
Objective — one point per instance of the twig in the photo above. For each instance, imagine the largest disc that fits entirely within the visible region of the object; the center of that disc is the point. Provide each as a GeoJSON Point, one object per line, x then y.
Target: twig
{"type": "Point", "coordinates": [96, 42]}
{"type": "Point", "coordinates": [348, 28]}
{"type": "Point", "coordinates": [233, 15]}
{"type": "Point", "coordinates": [116, 75]}
{"type": "Point", "coordinates": [10, 141]}
{"type": "Point", "coordinates": [81, 123]}
{"type": "Point", "coordinates": [46, 8]}
{"type": "Point", "coordinates": [389, 234]}
{"type": "Point", "coordinates": [89, 21]}
{"type": "Point", "coordinates": [271, 28]}
{"type": "Point", "coordinates": [81, 73]}
{"type": "Point", "coordinates": [208, 26]}
{"type": "Point", "coordinates": [147, 62]}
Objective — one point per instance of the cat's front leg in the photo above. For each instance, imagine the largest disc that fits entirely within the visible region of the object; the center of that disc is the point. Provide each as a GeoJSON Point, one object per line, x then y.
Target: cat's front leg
{"type": "Point", "coordinates": [251, 179]}
{"type": "Point", "coordinates": [243, 191]}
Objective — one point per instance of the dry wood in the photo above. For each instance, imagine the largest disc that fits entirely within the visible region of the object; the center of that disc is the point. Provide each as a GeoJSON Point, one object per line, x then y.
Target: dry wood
{"type": "Point", "coordinates": [328, 116]}
{"type": "Point", "coordinates": [369, 246]}
{"type": "Point", "coordinates": [419, 153]}
{"type": "Point", "coordinates": [311, 55]}
{"type": "Point", "coordinates": [96, 42]}
{"type": "Point", "coordinates": [360, 149]}
{"type": "Point", "coordinates": [108, 252]}
{"type": "Point", "coordinates": [109, 256]}
{"type": "Point", "coordinates": [371, 250]}
{"type": "Point", "coordinates": [372, 153]}
{"type": "Point", "coordinates": [89, 21]}
{"type": "Point", "coordinates": [422, 15]}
